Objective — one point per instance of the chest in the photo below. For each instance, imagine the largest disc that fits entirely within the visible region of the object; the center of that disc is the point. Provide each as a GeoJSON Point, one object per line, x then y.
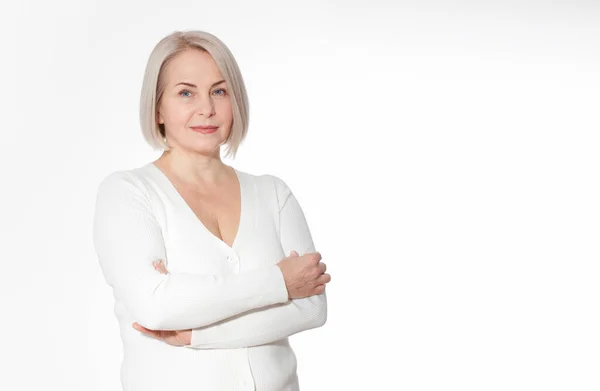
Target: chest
{"type": "Point", "coordinates": [236, 233]}
{"type": "Point", "coordinates": [219, 213]}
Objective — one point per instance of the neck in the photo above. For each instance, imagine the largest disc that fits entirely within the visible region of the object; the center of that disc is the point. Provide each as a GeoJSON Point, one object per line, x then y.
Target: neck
{"type": "Point", "coordinates": [194, 168]}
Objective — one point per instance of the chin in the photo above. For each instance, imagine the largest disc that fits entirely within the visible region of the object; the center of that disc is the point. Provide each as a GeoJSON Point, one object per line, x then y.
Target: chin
{"type": "Point", "coordinates": [206, 148]}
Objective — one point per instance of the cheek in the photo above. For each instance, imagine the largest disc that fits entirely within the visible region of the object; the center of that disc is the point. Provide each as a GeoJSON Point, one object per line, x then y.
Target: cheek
{"type": "Point", "coordinates": [180, 114]}
{"type": "Point", "coordinates": [226, 110]}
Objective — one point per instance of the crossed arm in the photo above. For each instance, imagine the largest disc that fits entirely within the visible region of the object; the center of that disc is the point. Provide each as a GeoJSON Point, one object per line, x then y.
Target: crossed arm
{"type": "Point", "coordinates": [246, 309]}
{"type": "Point", "coordinates": [274, 322]}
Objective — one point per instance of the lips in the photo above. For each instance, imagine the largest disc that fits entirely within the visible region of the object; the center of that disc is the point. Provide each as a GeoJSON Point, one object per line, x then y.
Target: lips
{"type": "Point", "coordinates": [204, 129]}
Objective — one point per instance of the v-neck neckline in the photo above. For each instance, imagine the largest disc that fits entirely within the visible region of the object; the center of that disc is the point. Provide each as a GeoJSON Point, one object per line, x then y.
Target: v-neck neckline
{"type": "Point", "coordinates": [193, 214]}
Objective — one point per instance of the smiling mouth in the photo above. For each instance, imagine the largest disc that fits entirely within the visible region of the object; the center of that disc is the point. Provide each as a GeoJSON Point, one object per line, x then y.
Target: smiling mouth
{"type": "Point", "coordinates": [204, 129]}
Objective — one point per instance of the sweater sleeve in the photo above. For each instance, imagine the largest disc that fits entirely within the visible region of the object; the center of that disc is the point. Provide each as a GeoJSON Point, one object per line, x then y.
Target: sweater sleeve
{"type": "Point", "coordinates": [128, 239]}
{"type": "Point", "coordinates": [278, 321]}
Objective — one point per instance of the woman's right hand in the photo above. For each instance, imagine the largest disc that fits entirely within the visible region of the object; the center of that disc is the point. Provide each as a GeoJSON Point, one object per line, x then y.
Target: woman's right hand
{"type": "Point", "coordinates": [304, 275]}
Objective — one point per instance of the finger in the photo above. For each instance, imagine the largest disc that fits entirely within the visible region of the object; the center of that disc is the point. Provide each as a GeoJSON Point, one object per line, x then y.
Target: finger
{"type": "Point", "coordinates": [140, 328]}
{"type": "Point", "coordinates": [322, 267]}
{"type": "Point", "coordinates": [319, 289]}
{"type": "Point", "coordinates": [160, 267]}
{"type": "Point", "coordinates": [163, 270]}
{"type": "Point", "coordinates": [324, 278]}
{"type": "Point", "coordinates": [293, 253]}
{"type": "Point", "coordinates": [316, 257]}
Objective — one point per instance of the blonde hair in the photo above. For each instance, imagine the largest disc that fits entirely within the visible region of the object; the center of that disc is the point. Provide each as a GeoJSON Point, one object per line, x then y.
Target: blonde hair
{"type": "Point", "coordinates": [153, 85]}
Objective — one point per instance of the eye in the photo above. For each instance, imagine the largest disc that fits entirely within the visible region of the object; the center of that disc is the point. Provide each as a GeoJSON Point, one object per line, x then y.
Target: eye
{"type": "Point", "coordinates": [184, 91]}
{"type": "Point", "coordinates": [220, 91]}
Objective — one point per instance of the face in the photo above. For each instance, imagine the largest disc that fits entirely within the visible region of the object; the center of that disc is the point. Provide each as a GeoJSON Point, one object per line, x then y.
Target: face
{"type": "Point", "coordinates": [195, 95]}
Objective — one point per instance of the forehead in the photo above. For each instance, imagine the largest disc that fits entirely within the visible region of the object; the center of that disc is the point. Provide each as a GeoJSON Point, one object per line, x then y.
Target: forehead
{"type": "Point", "coordinates": [195, 66]}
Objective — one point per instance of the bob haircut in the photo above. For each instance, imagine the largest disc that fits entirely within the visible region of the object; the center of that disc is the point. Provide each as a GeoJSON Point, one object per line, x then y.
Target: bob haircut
{"type": "Point", "coordinates": [153, 85]}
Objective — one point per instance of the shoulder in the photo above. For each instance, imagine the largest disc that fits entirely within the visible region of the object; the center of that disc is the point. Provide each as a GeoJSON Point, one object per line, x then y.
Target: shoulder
{"type": "Point", "coordinates": [273, 184]}
{"type": "Point", "coordinates": [122, 200]}
{"type": "Point", "coordinates": [122, 183]}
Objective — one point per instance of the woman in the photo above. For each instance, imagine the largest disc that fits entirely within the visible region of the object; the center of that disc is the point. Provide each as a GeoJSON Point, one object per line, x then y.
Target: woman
{"type": "Point", "coordinates": [195, 250]}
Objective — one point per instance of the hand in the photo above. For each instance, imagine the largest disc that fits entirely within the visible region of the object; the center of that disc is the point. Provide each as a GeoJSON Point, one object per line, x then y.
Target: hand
{"type": "Point", "coordinates": [160, 267]}
{"type": "Point", "coordinates": [172, 337]}
{"type": "Point", "coordinates": [175, 337]}
{"type": "Point", "coordinates": [304, 275]}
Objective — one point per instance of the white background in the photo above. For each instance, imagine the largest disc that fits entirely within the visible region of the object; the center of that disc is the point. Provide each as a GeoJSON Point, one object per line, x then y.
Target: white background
{"type": "Point", "coordinates": [446, 155]}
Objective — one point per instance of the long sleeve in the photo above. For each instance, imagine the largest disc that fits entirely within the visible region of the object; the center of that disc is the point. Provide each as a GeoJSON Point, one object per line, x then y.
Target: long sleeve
{"type": "Point", "coordinates": [272, 323]}
{"type": "Point", "coordinates": [127, 239]}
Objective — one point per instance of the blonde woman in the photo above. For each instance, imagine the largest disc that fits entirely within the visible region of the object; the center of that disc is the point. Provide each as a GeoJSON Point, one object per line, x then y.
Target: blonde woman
{"type": "Point", "coordinates": [212, 268]}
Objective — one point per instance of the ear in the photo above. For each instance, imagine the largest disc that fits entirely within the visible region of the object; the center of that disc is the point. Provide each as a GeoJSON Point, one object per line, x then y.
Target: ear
{"type": "Point", "coordinates": [160, 118]}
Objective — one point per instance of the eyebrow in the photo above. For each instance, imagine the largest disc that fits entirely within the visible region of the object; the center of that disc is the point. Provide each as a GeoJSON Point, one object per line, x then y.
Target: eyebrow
{"type": "Point", "coordinates": [195, 86]}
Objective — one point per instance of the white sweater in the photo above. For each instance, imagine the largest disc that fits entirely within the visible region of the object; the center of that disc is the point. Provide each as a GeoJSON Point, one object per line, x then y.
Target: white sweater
{"type": "Point", "coordinates": [234, 298]}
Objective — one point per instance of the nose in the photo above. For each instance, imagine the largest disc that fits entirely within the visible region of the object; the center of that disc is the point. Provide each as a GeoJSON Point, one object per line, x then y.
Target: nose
{"type": "Point", "coordinates": [205, 107]}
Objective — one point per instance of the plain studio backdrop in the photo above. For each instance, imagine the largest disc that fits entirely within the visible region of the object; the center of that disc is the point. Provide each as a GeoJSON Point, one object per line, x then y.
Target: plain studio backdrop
{"type": "Point", "coordinates": [446, 155]}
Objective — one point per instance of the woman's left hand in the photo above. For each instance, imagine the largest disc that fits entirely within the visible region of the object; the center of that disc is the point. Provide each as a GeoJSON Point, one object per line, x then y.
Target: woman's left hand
{"type": "Point", "coordinates": [172, 337]}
